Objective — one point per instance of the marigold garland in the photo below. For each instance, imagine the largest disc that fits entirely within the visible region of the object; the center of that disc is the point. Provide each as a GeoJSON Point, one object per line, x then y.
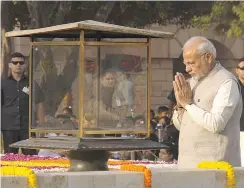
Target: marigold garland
{"type": "Point", "coordinates": [119, 162]}
{"type": "Point", "coordinates": [20, 171]}
{"type": "Point", "coordinates": [222, 165]}
{"type": "Point", "coordinates": [64, 162]}
{"type": "Point", "coordinates": [139, 168]}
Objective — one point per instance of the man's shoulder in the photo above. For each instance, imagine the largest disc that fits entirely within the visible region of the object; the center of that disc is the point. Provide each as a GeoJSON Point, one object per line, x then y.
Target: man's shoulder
{"type": "Point", "coordinates": [223, 76]}
{"type": "Point", "coordinates": [5, 81]}
{"type": "Point", "coordinates": [242, 89]}
{"type": "Point", "coordinates": [224, 73]}
{"type": "Point", "coordinates": [241, 84]}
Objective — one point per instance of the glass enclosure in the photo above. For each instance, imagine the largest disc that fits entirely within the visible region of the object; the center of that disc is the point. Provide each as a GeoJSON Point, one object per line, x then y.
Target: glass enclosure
{"type": "Point", "coordinates": [111, 90]}
{"type": "Point", "coordinates": [55, 74]}
{"type": "Point", "coordinates": [115, 88]}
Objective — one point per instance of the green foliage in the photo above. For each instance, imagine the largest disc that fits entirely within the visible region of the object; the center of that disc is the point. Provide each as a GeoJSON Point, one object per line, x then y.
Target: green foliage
{"type": "Point", "coordinates": [141, 13]}
{"type": "Point", "coordinates": [227, 18]}
{"type": "Point", "coordinates": [128, 13]}
{"type": "Point", "coordinates": [13, 12]}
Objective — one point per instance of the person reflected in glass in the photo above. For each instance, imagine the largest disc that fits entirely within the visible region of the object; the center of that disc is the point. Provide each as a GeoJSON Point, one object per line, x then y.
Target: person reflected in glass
{"type": "Point", "coordinates": [140, 122]}
{"type": "Point", "coordinates": [113, 107]}
{"type": "Point", "coordinates": [67, 111]}
{"type": "Point", "coordinates": [126, 87]}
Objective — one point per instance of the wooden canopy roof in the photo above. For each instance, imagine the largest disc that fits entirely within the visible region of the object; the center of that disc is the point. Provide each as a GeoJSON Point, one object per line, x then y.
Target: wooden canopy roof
{"type": "Point", "coordinates": [93, 29]}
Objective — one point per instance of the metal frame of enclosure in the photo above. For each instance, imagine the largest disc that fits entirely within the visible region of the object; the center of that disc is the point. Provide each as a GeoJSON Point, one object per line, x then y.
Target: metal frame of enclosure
{"type": "Point", "coordinates": [82, 31]}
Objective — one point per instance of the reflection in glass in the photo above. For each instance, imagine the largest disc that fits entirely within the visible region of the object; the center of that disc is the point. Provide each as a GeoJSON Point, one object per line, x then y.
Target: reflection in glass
{"type": "Point", "coordinates": [114, 91]}
{"type": "Point", "coordinates": [117, 97]}
{"type": "Point", "coordinates": [55, 69]}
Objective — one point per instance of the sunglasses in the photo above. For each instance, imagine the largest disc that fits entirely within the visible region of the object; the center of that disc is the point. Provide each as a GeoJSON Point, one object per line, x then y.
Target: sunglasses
{"type": "Point", "coordinates": [16, 62]}
{"type": "Point", "coordinates": [241, 68]}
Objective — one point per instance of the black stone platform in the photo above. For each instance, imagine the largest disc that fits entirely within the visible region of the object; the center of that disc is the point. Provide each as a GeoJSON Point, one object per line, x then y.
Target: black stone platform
{"type": "Point", "coordinates": [90, 154]}
{"type": "Point", "coordinates": [64, 143]}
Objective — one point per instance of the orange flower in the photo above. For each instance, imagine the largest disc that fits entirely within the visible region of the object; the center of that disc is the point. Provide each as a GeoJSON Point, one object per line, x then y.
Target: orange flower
{"type": "Point", "coordinates": [139, 168]}
{"type": "Point", "coordinates": [119, 162]}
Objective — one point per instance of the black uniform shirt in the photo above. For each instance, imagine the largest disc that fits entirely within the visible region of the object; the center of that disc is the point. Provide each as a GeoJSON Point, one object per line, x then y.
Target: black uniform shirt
{"type": "Point", "coordinates": [15, 103]}
{"type": "Point", "coordinates": [242, 116]}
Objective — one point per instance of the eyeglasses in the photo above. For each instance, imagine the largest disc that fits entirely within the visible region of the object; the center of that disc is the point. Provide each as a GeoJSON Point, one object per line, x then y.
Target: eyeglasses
{"type": "Point", "coordinates": [18, 62]}
{"type": "Point", "coordinates": [241, 68]}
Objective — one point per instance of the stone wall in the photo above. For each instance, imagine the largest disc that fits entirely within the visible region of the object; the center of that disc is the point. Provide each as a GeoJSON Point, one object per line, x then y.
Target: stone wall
{"type": "Point", "coordinates": [162, 79]}
{"type": "Point", "coordinates": [161, 178]}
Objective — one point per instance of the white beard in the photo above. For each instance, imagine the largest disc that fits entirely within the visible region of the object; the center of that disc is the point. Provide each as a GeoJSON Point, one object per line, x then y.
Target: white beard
{"type": "Point", "coordinates": [196, 78]}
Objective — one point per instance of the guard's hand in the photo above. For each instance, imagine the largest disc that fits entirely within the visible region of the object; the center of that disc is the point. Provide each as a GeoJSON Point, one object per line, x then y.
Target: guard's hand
{"type": "Point", "coordinates": [183, 93]}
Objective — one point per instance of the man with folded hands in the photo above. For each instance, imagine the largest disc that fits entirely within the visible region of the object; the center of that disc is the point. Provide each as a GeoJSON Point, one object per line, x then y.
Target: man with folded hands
{"type": "Point", "coordinates": [209, 107]}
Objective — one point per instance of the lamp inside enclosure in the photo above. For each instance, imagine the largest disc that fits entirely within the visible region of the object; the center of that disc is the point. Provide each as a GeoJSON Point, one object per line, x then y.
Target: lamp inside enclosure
{"type": "Point", "coordinates": [92, 80]}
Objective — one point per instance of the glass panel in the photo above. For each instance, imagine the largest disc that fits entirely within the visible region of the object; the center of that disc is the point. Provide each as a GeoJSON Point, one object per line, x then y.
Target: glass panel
{"type": "Point", "coordinates": [56, 39]}
{"type": "Point", "coordinates": [116, 90]}
{"type": "Point", "coordinates": [74, 38]}
{"type": "Point", "coordinates": [124, 40]}
{"type": "Point", "coordinates": [91, 82]}
{"type": "Point", "coordinates": [55, 75]}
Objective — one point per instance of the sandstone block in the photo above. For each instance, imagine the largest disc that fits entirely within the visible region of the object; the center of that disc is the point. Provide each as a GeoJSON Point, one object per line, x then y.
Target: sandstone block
{"type": "Point", "coordinates": [158, 100]}
{"type": "Point", "coordinates": [14, 182]}
{"type": "Point", "coordinates": [158, 75]}
{"type": "Point", "coordinates": [166, 63]}
{"type": "Point", "coordinates": [175, 49]}
{"type": "Point", "coordinates": [95, 179]}
{"type": "Point", "coordinates": [160, 48]}
{"type": "Point", "coordinates": [187, 178]}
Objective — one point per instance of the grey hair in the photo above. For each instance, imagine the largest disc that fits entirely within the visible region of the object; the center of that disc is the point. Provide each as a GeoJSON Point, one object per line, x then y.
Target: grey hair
{"type": "Point", "coordinates": [205, 46]}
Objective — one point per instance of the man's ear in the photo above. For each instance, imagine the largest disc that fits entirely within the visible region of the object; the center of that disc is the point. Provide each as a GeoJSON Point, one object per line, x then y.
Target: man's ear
{"type": "Point", "coordinates": [209, 57]}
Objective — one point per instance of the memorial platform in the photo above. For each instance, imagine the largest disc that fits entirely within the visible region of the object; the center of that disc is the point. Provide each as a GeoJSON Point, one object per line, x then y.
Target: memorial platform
{"type": "Point", "coordinates": [161, 178]}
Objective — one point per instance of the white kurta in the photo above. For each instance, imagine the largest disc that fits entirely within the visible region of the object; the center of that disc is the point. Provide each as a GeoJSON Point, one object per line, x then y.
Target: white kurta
{"type": "Point", "coordinates": [209, 128]}
{"type": "Point", "coordinates": [242, 147]}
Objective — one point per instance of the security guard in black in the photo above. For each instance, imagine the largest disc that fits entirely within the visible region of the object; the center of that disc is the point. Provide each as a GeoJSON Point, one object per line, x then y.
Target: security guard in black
{"type": "Point", "coordinates": [15, 103]}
